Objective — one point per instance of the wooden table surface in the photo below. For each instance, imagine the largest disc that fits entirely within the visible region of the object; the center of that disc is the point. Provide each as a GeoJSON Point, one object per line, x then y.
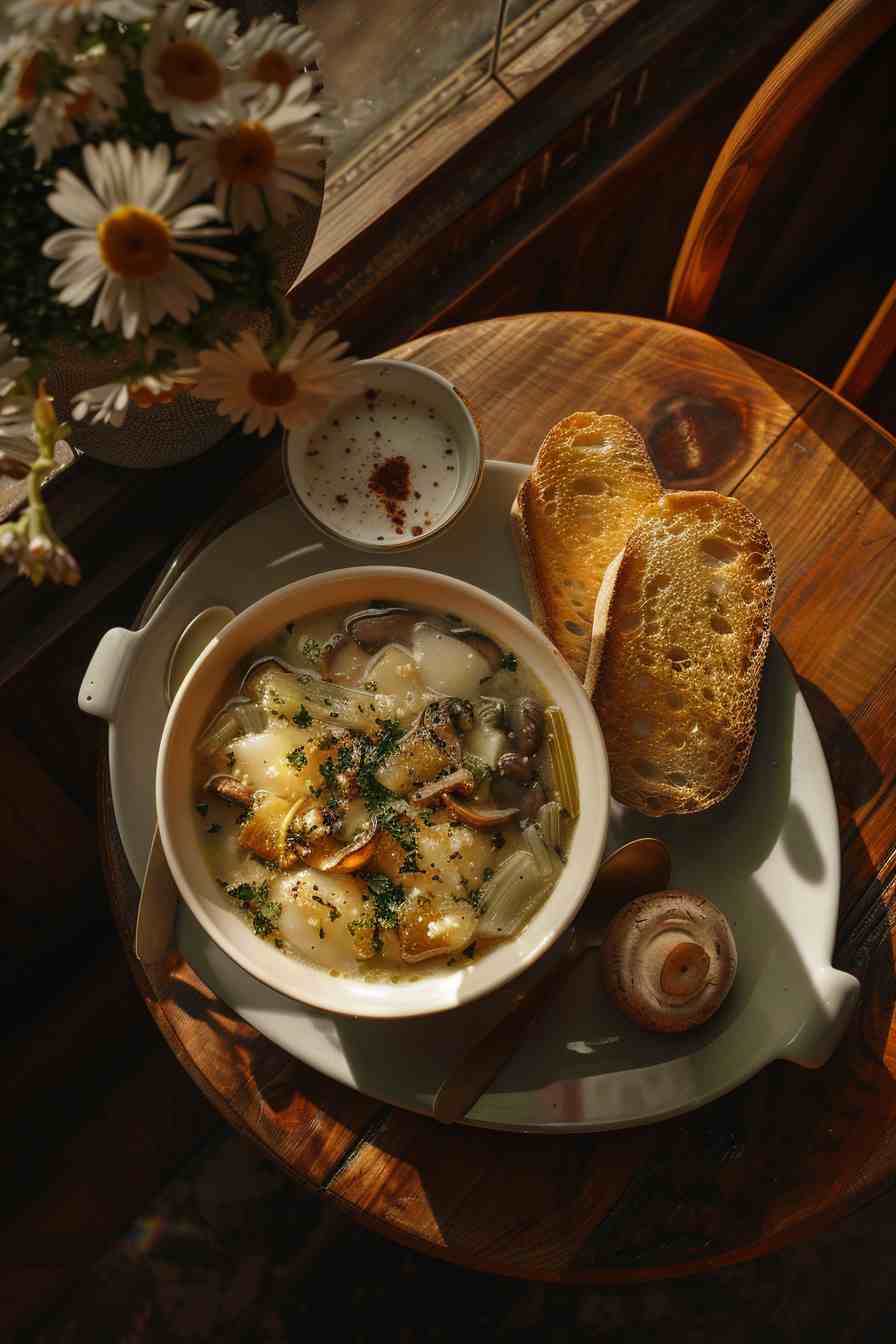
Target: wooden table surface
{"type": "Point", "coordinates": [787, 1151]}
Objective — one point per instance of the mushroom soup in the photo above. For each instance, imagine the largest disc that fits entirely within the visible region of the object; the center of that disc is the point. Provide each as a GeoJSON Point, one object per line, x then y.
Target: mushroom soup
{"type": "Point", "coordinates": [384, 792]}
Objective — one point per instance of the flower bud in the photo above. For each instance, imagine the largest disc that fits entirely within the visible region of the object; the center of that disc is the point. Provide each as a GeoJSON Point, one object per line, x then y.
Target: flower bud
{"type": "Point", "coordinates": [45, 421]}
{"type": "Point", "coordinates": [40, 548]}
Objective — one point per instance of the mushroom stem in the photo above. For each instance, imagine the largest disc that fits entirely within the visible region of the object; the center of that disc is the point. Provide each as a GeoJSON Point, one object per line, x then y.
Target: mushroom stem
{"type": "Point", "coordinates": [481, 818]}
{"type": "Point", "coordinates": [685, 970]}
{"type": "Point", "coordinates": [459, 781]}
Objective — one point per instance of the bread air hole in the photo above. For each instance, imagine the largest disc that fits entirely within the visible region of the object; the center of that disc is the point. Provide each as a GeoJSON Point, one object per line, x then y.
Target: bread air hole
{"type": "Point", "coordinates": [678, 656]}
{"type": "Point", "coordinates": [643, 727]}
{"type": "Point", "coordinates": [589, 485]}
{"type": "Point", "coordinates": [674, 700]}
{"type": "Point", "coordinates": [575, 628]}
{"type": "Point", "coordinates": [720, 625]}
{"type": "Point", "coordinates": [647, 770]}
{"type": "Point", "coordinates": [629, 620]}
{"type": "Point", "coordinates": [717, 551]}
{"type": "Point", "coordinates": [656, 584]}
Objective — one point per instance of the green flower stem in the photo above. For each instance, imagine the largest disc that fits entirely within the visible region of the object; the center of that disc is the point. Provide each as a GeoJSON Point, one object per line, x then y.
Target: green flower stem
{"type": "Point", "coordinates": [284, 326]}
{"type": "Point", "coordinates": [38, 515]}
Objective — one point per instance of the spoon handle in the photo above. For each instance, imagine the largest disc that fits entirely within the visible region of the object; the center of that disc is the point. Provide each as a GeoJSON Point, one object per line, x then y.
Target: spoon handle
{"type": "Point", "coordinates": [472, 1075]}
{"type": "Point", "coordinates": [157, 909]}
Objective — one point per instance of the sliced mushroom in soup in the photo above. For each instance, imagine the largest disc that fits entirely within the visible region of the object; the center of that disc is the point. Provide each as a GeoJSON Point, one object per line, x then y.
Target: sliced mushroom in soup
{"type": "Point", "coordinates": [378, 795]}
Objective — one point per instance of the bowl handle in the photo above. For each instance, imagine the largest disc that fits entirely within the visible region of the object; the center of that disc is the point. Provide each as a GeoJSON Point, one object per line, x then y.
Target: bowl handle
{"type": "Point", "coordinates": [836, 993]}
{"type": "Point", "coordinates": [107, 672]}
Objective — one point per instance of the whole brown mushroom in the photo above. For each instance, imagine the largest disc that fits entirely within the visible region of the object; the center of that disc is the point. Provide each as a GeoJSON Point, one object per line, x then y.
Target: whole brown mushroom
{"type": "Point", "coordinates": [668, 960]}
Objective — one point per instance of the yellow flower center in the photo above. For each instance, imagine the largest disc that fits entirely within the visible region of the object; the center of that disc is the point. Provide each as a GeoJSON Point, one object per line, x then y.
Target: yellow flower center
{"type": "Point", "coordinates": [189, 71]}
{"type": "Point", "coordinates": [134, 243]}
{"type": "Point", "coordinates": [26, 90]}
{"type": "Point", "coordinates": [272, 67]}
{"type": "Point", "coordinates": [272, 387]}
{"type": "Point", "coordinates": [247, 154]}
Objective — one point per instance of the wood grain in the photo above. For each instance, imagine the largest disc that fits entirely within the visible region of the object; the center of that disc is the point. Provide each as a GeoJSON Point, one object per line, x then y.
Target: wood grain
{"type": "Point", "coordinates": [790, 1149]}
{"type": "Point", "coordinates": [706, 416]}
{"type": "Point", "coordinates": [304, 1119]}
{"type": "Point", "coordinates": [836, 39]}
{"type": "Point", "coordinates": [873, 352]}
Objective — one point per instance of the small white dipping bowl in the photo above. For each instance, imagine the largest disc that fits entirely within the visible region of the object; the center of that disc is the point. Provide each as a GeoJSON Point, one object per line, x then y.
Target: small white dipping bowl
{"type": "Point", "coordinates": [203, 690]}
{"type": "Point", "coordinates": [400, 411]}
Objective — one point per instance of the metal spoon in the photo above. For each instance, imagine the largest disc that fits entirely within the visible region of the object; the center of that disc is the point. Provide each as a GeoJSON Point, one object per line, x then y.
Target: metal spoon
{"type": "Point", "coordinates": [157, 906]}
{"type": "Point", "coordinates": [635, 869]}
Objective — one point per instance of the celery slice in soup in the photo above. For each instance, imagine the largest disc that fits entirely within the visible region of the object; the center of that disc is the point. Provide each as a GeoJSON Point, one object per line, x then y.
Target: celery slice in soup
{"type": "Point", "coordinates": [512, 895]}
{"type": "Point", "coordinates": [288, 693]}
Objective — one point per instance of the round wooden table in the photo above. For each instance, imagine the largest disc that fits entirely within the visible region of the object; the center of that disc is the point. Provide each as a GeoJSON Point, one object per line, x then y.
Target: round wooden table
{"type": "Point", "coordinates": [788, 1150]}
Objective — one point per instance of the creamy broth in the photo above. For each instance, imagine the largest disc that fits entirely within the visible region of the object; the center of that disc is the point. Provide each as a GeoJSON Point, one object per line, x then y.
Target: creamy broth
{"type": "Point", "coordinates": [378, 796]}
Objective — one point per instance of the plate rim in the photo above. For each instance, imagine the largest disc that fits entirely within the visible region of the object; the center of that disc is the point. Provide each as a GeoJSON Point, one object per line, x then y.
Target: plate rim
{"type": "Point", "coordinates": [326, 1059]}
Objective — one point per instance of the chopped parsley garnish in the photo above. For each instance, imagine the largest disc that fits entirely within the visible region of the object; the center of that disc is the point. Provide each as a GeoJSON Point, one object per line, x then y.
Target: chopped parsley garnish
{"type": "Point", "coordinates": [510, 662]}
{"type": "Point", "coordinates": [254, 900]}
{"type": "Point", "coordinates": [333, 912]}
{"type": "Point", "coordinates": [311, 649]}
{"type": "Point", "coordinates": [302, 719]}
{"type": "Point", "coordinates": [328, 775]}
{"type": "Point", "coordinates": [344, 758]}
{"type": "Point", "coordinates": [388, 897]}
{"type": "Point", "coordinates": [487, 874]}
{"type": "Point", "coordinates": [499, 840]}
{"type": "Point", "coordinates": [477, 767]}
{"type": "Point", "coordinates": [297, 759]}
{"type": "Point", "coordinates": [470, 951]}
{"type": "Point", "coordinates": [380, 803]}
{"type": "Point", "coordinates": [202, 809]}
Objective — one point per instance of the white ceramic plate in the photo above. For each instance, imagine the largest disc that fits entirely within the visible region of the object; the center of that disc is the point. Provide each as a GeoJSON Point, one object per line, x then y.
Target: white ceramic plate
{"type": "Point", "coordinates": [769, 856]}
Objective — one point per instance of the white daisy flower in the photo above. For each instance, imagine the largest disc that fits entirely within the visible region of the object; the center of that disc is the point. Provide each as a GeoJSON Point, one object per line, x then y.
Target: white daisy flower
{"type": "Point", "coordinates": [92, 93]}
{"type": "Point", "coordinates": [275, 52]}
{"type": "Point", "coordinates": [189, 65]}
{"type": "Point", "coordinates": [112, 401]}
{"type": "Point", "coordinates": [25, 61]}
{"type": "Point", "coordinates": [298, 387]}
{"type": "Point", "coordinates": [42, 15]}
{"type": "Point", "coordinates": [262, 160]}
{"type": "Point", "coordinates": [131, 234]}
{"type": "Point", "coordinates": [12, 364]}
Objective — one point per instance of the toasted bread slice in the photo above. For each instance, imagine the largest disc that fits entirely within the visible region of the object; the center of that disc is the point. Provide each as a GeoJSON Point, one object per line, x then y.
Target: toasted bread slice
{"type": "Point", "coordinates": [681, 632]}
{"type": "Point", "coordinates": [591, 482]}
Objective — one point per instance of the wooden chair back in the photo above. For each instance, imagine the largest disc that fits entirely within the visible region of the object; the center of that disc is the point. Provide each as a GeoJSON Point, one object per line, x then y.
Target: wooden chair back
{"type": "Point", "coordinates": [834, 42]}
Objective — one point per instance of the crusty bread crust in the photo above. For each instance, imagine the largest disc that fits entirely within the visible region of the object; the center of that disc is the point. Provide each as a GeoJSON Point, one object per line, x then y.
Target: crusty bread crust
{"type": "Point", "coordinates": [682, 635]}
{"type": "Point", "coordinates": [591, 482]}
